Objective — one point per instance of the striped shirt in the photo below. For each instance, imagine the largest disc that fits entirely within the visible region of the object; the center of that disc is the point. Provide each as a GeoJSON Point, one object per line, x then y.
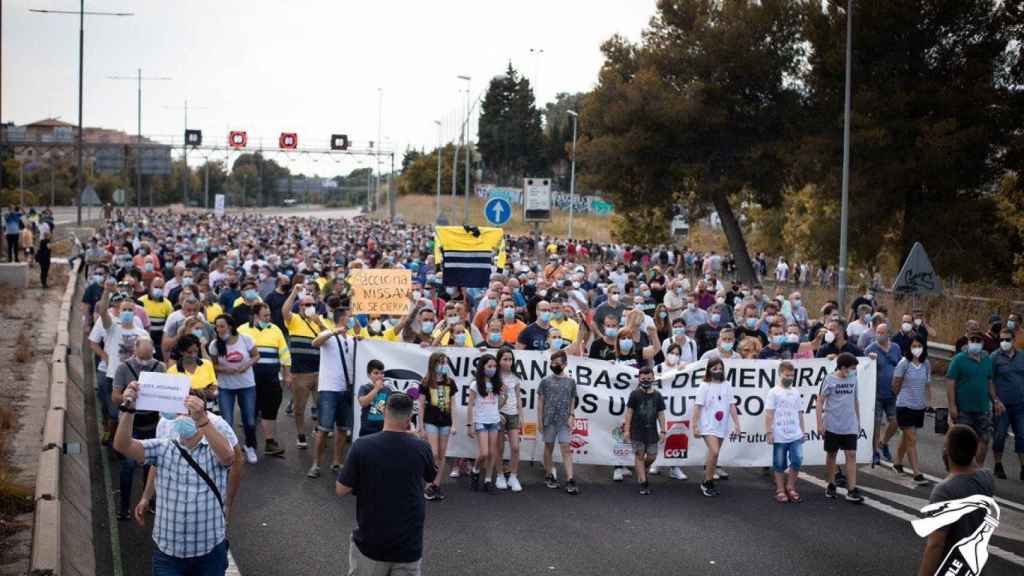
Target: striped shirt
{"type": "Point", "coordinates": [272, 345]}
{"type": "Point", "coordinates": [301, 333]}
{"type": "Point", "coordinates": [189, 520]}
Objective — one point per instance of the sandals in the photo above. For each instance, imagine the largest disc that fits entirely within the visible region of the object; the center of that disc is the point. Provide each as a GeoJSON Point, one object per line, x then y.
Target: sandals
{"type": "Point", "coordinates": [794, 496]}
{"type": "Point", "coordinates": [781, 497]}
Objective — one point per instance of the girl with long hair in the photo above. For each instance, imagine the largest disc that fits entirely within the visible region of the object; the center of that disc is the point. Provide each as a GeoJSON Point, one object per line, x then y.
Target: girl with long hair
{"type": "Point", "coordinates": [484, 420]}
{"type": "Point", "coordinates": [511, 410]}
{"type": "Point", "coordinates": [435, 422]}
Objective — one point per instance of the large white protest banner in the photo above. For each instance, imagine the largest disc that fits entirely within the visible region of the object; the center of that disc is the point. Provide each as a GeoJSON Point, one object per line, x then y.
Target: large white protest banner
{"type": "Point", "coordinates": [603, 389]}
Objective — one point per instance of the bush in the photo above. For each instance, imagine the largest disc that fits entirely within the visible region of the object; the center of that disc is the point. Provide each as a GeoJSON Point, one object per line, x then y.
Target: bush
{"type": "Point", "coordinates": [12, 196]}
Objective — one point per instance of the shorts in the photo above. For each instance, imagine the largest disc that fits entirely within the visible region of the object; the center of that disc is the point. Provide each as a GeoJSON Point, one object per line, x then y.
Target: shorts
{"type": "Point", "coordinates": [437, 430]}
{"type": "Point", "coordinates": [511, 422]}
{"type": "Point", "coordinates": [305, 363]}
{"type": "Point", "coordinates": [787, 455]}
{"type": "Point", "coordinates": [268, 396]}
{"type": "Point", "coordinates": [334, 410]}
{"type": "Point", "coordinates": [558, 433]}
{"type": "Point", "coordinates": [885, 409]}
{"type": "Point", "coordinates": [980, 422]}
{"type": "Point", "coordinates": [909, 418]}
{"type": "Point", "coordinates": [641, 447]}
{"type": "Point", "coordinates": [487, 427]}
{"type": "Point", "coordinates": [836, 442]}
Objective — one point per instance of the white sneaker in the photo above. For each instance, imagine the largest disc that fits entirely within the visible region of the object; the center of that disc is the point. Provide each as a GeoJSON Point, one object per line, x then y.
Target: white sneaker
{"type": "Point", "coordinates": [626, 471]}
{"type": "Point", "coordinates": [500, 482]}
{"type": "Point", "coordinates": [653, 469]}
{"type": "Point", "coordinates": [721, 474]}
{"type": "Point", "coordinates": [250, 455]}
{"type": "Point", "coordinates": [454, 473]}
{"type": "Point", "coordinates": [617, 474]}
{"type": "Point", "coordinates": [677, 473]}
{"type": "Point", "coordinates": [513, 483]}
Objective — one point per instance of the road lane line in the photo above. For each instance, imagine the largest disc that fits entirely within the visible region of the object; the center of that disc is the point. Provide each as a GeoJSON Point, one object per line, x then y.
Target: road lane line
{"type": "Point", "coordinates": [1002, 501]}
{"type": "Point", "coordinates": [896, 512]}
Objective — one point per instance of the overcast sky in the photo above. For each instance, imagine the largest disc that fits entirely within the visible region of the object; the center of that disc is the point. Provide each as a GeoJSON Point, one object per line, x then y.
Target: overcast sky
{"type": "Point", "coordinates": [309, 66]}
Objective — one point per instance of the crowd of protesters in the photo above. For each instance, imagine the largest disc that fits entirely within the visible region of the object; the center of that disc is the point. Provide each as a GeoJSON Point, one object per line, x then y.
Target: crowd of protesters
{"type": "Point", "coordinates": [248, 305]}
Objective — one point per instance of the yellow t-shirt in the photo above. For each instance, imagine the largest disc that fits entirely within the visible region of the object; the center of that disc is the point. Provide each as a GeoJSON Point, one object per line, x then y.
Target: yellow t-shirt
{"type": "Point", "coordinates": [203, 376]}
{"type": "Point", "coordinates": [213, 311]}
{"type": "Point", "coordinates": [157, 310]}
{"type": "Point", "coordinates": [388, 335]}
{"type": "Point", "coordinates": [569, 328]}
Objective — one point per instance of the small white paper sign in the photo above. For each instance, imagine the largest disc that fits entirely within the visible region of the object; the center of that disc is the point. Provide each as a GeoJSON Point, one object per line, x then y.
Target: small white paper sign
{"type": "Point", "coordinates": [159, 392]}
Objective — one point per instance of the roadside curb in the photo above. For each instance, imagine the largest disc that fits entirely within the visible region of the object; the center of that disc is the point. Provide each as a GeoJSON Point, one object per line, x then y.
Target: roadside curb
{"type": "Point", "coordinates": [46, 529]}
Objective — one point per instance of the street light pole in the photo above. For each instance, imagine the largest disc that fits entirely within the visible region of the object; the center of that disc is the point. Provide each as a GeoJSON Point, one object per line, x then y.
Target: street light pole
{"type": "Point", "coordinates": [138, 138]}
{"type": "Point", "coordinates": [437, 203]}
{"type": "Point", "coordinates": [572, 176]}
{"type": "Point", "coordinates": [465, 198]}
{"type": "Point", "coordinates": [844, 217]}
{"type": "Point", "coordinates": [81, 13]}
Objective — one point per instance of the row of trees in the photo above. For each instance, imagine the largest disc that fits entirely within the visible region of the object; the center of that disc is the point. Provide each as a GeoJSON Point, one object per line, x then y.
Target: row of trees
{"type": "Point", "coordinates": [738, 106]}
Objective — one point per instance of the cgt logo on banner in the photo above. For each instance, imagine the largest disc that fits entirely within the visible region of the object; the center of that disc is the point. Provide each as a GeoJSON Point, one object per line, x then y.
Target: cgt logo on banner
{"type": "Point", "coordinates": [603, 390]}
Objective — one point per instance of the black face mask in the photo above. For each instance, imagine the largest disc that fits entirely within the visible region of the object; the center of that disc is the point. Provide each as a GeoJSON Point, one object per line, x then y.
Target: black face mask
{"type": "Point", "coordinates": [557, 368]}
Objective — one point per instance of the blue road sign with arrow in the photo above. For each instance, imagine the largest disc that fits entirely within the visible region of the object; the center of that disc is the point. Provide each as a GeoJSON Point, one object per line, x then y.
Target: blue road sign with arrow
{"type": "Point", "coordinates": [498, 211]}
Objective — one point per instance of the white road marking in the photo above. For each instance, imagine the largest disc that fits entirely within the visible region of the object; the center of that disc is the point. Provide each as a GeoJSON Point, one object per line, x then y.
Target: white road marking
{"type": "Point", "coordinates": [232, 566]}
{"type": "Point", "coordinates": [896, 512]}
{"type": "Point", "coordinates": [1003, 502]}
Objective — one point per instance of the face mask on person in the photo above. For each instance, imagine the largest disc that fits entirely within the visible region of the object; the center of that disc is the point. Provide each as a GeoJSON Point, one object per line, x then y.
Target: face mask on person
{"type": "Point", "coordinates": [974, 347]}
{"type": "Point", "coordinates": [690, 306]}
{"type": "Point", "coordinates": [186, 281]}
{"type": "Point", "coordinates": [494, 338]}
{"type": "Point", "coordinates": [787, 382]}
{"type": "Point", "coordinates": [769, 319]}
{"type": "Point", "coordinates": [148, 266]}
{"type": "Point", "coordinates": [679, 291]}
{"type": "Point", "coordinates": [157, 293]}
{"type": "Point", "coordinates": [918, 321]}
{"type": "Point", "coordinates": [882, 339]}
{"type": "Point", "coordinates": [672, 359]}
{"type": "Point", "coordinates": [726, 345]}
{"type": "Point", "coordinates": [545, 316]}
{"type": "Point", "coordinates": [250, 294]}
{"type": "Point", "coordinates": [779, 340]}
{"type": "Point", "coordinates": [917, 351]}
{"type": "Point", "coordinates": [1005, 345]}
{"type": "Point", "coordinates": [626, 345]}
{"type": "Point", "coordinates": [557, 368]}
{"type": "Point", "coordinates": [716, 318]}
{"type": "Point", "coordinates": [264, 325]}
{"type": "Point", "coordinates": [613, 299]}
{"type": "Point", "coordinates": [751, 323]}
{"type": "Point", "coordinates": [1011, 324]}
{"type": "Point", "coordinates": [126, 316]}
{"type": "Point", "coordinates": [489, 372]}
{"type": "Point", "coordinates": [830, 337]}
{"type": "Point", "coordinates": [375, 325]}
{"type": "Point", "coordinates": [646, 384]}
{"type": "Point", "coordinates": [792, 338]}
{"type": "Point", "coordinates": [460, 339]}
{"type": "Point", "coordinates": [720, 300]}
{"type": "Point", "coordinates": [427, 326]}
{"type": "Point", "coordinates": [441, 369]}
{"type": "Point", "coordinates": [906, 326]}
{"type": "Point", "coordinates": [678, 331]}
{"type": "Point", "coordinates": [185, 428]}
{"type": "Point", "coordinates": [716, 375]}
{"type": "Point", "coordinates": [796, 303]}
{"type": "Point", "coordinates": [509, 314]}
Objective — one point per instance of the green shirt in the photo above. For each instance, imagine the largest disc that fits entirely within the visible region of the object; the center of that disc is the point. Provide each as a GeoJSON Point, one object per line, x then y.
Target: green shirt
{"type": "Point", "coordinates": [971, 378]}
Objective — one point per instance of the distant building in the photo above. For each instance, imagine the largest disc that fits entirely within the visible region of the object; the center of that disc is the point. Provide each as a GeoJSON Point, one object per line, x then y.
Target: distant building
{"type": "Point", "coordinates": [52, 140]}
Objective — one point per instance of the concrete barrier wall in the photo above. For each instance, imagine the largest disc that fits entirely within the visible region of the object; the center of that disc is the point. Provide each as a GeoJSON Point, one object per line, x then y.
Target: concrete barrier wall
{"type": "Point", "coordinates": [49, 494]}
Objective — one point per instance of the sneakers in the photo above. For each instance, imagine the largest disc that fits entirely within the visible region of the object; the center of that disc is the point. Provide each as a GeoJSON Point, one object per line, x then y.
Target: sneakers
{"type": "Point", "coordinates": [272, 448]}
{"type": "Point", "coordinates": [250, 455]}
{"type": "Point", "coordinates": [500, 483]}
{"type": "Point", "coordinates": [431, 492]}
{"type": "Point", "coordinates": [301, 442]}
{"type": "Point", "coordinates": [335, 467]}
{"type": "Point", "coordinates": [489, 487]}
{"type": "Point", "coordinates": [677, 473]}
{"type": "Point", "coordinates": [830, 491]}
{"type": "Point", "coordinates": [898, 468]}
{"type": "Point", "coordinates": [454, 473]}
{"type": "Point", "coordinates": [886, 454]}
{"type": "Point", "coordinates": [550, 482]}
{"type": "Point", "coordinates": [840, 479]}
{"type": "Point", "coordinates": [474, 481]}
{"type": "Point", "coordinates": [920, 480]}
{"type": "Point", "coordinates": [721, 474]}
{"type": "Point", "coordinates": [314, 471]}
{"type": "Point", "coordinates": [854, 496]}
{"type": "Point", "coordinates": [571, 488]}
{"type": "Point", "coordinates": [653, 469]}
{"type": "Point", "coordinates": [645, 489]}
{"type": "Point", "coordinates": [626, 471]}
{"type": "Point", "coordinates": [513, 483]}
{"type": "Point", "coordinates": [707, 488]}
{"type": "Point", "coordinates": [617, 474]}
{"type": "Point", "coordinates": [999, 471]}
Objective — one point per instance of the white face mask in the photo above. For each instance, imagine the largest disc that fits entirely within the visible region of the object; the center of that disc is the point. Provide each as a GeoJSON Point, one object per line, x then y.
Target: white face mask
{"type": "Point", "coordinates": [830, 336]}
{"type": "Point", "coordinates": [907, 326]}
{"type": "Point", "coordinates": [1006, 346]}
{"type": "Point", "coordinates": [309, 310]}
{"type": "Point", "coordinates": [375, 325]}
{"type": "Point", "coordinates": [672, 359]}
{"type": "Point", "coordinates": [917, 351]}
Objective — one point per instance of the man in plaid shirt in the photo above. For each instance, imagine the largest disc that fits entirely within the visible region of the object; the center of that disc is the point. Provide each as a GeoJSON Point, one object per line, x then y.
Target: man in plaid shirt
{"type": "Point", "coordinates": [189, 527]}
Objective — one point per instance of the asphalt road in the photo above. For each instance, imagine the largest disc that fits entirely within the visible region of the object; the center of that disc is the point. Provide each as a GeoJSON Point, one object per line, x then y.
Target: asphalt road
{"type": "Point", "coordinates": [285, 523]}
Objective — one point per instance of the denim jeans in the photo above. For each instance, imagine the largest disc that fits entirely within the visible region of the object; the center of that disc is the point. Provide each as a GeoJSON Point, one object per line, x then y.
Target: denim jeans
{"type": "Point", "coordinates": [246, 398]}
{"type": "Point", "coordinates": [104, 388]}
{"type": "Point", "coordinates": [128, 466]}
{"type": "Point", "coordinates": [1013, 417]}
{"type": "Point", "coordinates": [213, 563]}
{"type": "Point", "coordinates": [787, 455]}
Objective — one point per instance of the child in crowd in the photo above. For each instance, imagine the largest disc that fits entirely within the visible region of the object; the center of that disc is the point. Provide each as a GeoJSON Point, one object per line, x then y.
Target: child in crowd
{"type": "Point", "coordinates": [645, 425]}
{"type": "Point", "coordinates": [784, 421]}
{"type": "Point", "coordinates": [714, 405]}
{"type": "Point", "coordinates": [484, 421]}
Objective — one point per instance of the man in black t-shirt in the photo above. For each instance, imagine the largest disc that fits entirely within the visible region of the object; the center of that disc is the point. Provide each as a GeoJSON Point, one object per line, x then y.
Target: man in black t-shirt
{"type": "Point", "coordinates": [387, 472]}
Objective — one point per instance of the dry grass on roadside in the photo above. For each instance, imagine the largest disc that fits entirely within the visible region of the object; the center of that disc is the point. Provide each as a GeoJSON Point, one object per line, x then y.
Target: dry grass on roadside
{"type": "Point", "coordinates": [23, 349]}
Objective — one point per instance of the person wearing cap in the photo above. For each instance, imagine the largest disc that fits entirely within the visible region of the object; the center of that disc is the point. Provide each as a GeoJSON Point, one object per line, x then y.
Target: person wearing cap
{"type": "Point", "coordinates": [971, 393]}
